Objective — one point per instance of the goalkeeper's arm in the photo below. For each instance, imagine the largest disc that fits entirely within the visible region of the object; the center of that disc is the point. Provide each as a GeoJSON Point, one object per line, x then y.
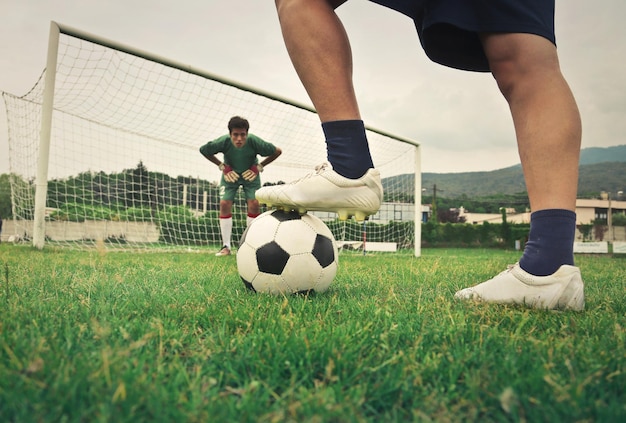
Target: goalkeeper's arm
{"type": "Point", "coordinates": [271, 158]}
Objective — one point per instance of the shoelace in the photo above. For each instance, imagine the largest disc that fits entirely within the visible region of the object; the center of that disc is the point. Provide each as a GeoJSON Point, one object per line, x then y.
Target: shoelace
{"type": "Point", "coordinates": [321, 167]}
{"type": "Point", "coordinates": [318, 169]}
{"type": "Point", "coordinates": [508, 269]}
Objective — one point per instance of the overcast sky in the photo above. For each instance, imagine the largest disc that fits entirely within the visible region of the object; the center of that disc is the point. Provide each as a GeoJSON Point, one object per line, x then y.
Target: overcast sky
{"type": "Point", "coordinates": [460, 118]}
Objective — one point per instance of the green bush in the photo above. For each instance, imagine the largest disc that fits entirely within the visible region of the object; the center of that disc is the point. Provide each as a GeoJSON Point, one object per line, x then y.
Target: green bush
{"type": "Point", "coordinates": [179, 226]}
{"type": "Point", "coordinates": [469, 235]}
{"type": "Point", "coordinates": [619, 219]}
{"type": "Point", "coordinates": [137, 214]}
{"type": "Point", "coordinates": [76, 212]}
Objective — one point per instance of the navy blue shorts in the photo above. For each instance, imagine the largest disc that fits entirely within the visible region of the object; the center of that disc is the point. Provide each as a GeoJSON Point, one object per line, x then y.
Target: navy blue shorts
{"type": "Point", "coordinates": [448, 29]}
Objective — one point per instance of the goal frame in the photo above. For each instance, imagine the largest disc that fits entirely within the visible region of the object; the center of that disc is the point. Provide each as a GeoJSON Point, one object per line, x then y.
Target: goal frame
{"type": "Point", "coordinates": [41, 179]}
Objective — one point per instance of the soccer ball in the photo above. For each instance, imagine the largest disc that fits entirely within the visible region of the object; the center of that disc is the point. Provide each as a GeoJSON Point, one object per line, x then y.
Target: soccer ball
{"type": "Point", "coordinates": [287, 253]}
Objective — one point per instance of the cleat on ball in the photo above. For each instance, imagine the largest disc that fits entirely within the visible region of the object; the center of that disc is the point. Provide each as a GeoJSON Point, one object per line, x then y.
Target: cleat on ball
{"type": "Point", "coordinates": [326, 190]}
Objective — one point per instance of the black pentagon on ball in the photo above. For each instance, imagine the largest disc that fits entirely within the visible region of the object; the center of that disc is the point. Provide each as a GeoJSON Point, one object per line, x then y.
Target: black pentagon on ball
{"type": "Point", "coordinates": [283, 216]}
{"type": "Point", "coordinates": [271, 258]}
{"type": "Point", "coordinates": [323, 250]}
{"type": "Point", "coordinates": [248, 285]}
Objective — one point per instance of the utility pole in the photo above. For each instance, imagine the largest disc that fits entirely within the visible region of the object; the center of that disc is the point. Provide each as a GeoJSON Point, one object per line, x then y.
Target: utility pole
{"type": "Point", "coordinates": [609, 220]}
{"type": "Point", "coordinates": [434, 205]}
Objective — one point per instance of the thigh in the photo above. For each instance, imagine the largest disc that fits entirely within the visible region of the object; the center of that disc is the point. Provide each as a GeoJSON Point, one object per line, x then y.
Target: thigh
{"type": "Point", "coordinates": [520, 58]}
{"type": "Point", "coordinates": [228, 191]}
{"type": "Point", "coordinates": [522, 49]}
{"type": "Point", "coordinates": [250, 188]}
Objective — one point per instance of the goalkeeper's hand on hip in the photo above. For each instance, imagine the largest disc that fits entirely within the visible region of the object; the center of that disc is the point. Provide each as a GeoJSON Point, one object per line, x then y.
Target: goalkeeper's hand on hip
{"type": "Point", "coordinates": [229, 174]}
{"type": "Point", "coordinates": [253, 172]}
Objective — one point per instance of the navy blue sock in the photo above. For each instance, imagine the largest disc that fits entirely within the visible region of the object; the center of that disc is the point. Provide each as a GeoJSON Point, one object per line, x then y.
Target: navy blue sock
{"type": "Point", "coordinates": [550, 241]}
{"type": "Point", "coordinates": [347, 147]}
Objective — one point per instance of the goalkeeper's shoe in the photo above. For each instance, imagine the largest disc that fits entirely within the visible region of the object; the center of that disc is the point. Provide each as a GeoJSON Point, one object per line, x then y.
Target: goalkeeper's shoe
{"type": "Point", "coordinates": [326, 190]}
{"type": "Point", "coordinates": [564, 289]}
{"type": "Point", "coordinates": [225, 251]}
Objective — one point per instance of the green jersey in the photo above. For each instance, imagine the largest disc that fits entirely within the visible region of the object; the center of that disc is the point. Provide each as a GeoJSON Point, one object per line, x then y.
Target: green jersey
{"type": "Point", "coordinates": [240, 159]}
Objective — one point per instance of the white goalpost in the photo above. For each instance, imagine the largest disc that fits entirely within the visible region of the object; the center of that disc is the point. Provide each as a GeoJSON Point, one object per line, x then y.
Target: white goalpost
{"type": "Point", "coordinates": [104, 153]}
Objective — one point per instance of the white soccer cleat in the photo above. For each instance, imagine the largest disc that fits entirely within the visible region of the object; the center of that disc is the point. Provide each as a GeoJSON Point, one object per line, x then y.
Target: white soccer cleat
{"type": "Point", "coordinates": [564, 289]}
{"type": "Point", "coordinates": [326, 190]}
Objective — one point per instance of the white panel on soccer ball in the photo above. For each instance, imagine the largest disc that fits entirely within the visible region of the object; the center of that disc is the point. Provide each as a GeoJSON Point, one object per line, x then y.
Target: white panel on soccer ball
{"type": "Point", "coordinates": [327, 276]}
{"type": "Point", "coordinates": [318, 225]}
{"type": "Point", "coordinates": [302, 272]}
{"type": "Point", "coordinates": [261, 230]}
{"type": "Point", "coordinates": [246, 262]}
{"type": "Point", "coordinates": [271, 284]}
{"type": "Point", "coordinates": [295, 237]}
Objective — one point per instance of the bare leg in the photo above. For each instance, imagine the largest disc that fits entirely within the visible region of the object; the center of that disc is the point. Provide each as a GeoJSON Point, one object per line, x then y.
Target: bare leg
{"type": "Point", "coordinates": [319, 48]}
{"type": "Point", "coordinates": [545, 115]}
{"type": "Point", "coordinates": [226, 208]}
{"type": "Point", "coordinates": [253, 207]}
{"type": "Point", "coordinates": [548, 129]}
{"type": "Point", "coordinates": [320, 51]}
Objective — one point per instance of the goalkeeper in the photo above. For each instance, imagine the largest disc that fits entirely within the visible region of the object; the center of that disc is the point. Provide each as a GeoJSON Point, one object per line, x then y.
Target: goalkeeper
{"type": "Point", "coordinates": [240, 167]}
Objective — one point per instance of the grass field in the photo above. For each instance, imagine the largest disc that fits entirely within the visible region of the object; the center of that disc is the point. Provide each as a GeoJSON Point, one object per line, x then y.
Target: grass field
{"type": "Point", "coordinates": [91, 337]}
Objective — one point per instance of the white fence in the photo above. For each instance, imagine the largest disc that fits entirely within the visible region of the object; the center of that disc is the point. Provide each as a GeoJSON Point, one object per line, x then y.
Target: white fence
{"type": "Point", "coordinates": [149, 232]}
{"type": "Point", "coordinates": [88, 230]}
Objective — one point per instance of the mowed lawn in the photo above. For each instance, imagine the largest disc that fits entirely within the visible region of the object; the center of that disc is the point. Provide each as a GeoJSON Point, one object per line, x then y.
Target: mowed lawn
{"type": "Point", "coordinates": [131, 337]}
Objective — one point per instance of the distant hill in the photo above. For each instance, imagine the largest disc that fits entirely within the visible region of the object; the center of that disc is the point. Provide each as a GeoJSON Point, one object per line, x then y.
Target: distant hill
{"type": "Point", "coordinates": [593, 155]}
{"type": "Point", "coordinates": [601, 169]}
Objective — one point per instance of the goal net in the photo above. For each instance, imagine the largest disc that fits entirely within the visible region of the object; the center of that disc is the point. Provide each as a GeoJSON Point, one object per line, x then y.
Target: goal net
{"type": "Point", "coordinates": [104, 153]}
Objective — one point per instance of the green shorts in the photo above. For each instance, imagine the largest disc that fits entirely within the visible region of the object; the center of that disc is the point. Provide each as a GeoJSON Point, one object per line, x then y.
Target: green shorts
{"type": "Point", "coordinates": [228, 190]}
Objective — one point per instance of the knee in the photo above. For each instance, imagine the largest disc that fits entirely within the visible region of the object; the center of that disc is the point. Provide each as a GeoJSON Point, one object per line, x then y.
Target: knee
{"type": "Point", "coordinates": [225, 207]}
{"type": "Point", "coordinates": [518, 61]}
{"type": "Point", "coordinates": [518, 77]}
{"type": "Point", "coordinates": [506, 76]}
{"type": "Point", "coordinates": [253, 207]}
{"type": "Point", "coordinates": [508, 68]}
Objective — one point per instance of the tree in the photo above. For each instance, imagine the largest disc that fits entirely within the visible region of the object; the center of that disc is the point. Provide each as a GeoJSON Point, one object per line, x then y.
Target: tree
{"type": "Point", "coordinates": [505, 229]}
{"type": "Point", "coordinates": [140, 193]}
{"type": "Point", "coordinates": [449, 216]}
{"type": "Point", "coordinates": [5, 197]}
